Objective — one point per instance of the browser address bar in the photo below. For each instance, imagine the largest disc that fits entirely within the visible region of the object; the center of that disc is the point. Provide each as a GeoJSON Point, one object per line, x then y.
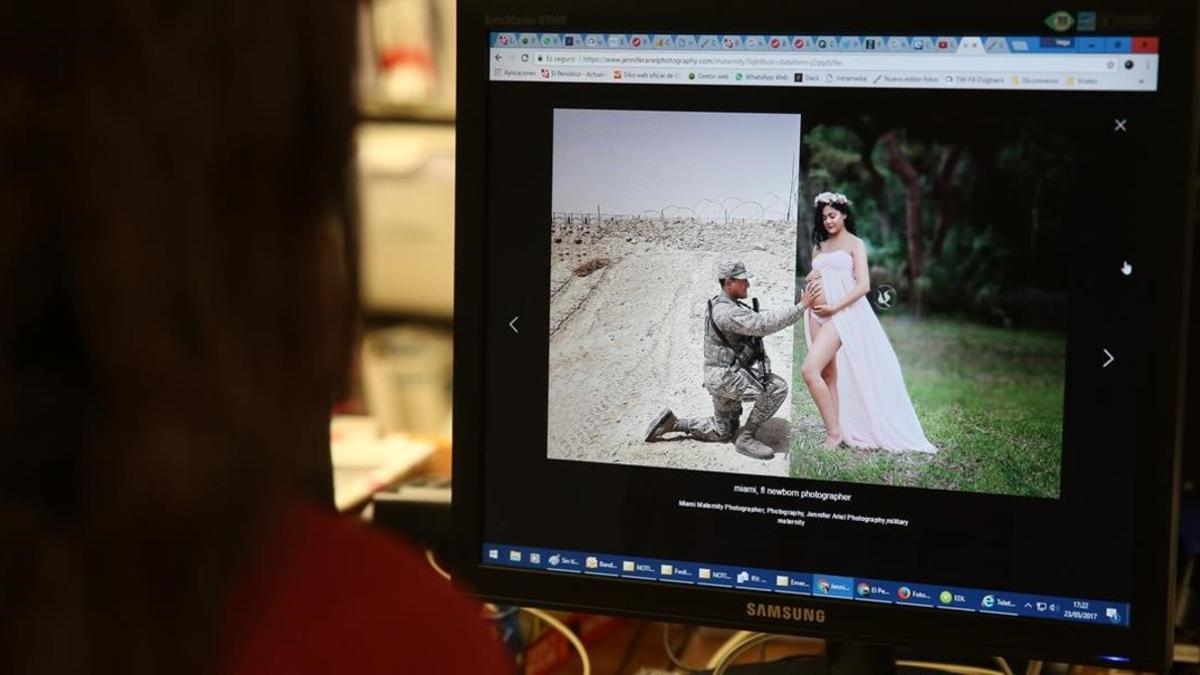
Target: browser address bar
{"type": "Point", "coordinates": [682, 60]}
{"type": "Point", "coordinates": [982, 63]}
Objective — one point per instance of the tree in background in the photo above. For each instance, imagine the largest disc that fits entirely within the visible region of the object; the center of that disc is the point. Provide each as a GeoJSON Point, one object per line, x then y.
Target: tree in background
{"type": "Point", "coordinates": [962, 213]}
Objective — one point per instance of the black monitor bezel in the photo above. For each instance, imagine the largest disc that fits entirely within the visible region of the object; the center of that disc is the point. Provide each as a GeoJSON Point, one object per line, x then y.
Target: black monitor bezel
{"type": "Point", "coordinates": [1147, 643]}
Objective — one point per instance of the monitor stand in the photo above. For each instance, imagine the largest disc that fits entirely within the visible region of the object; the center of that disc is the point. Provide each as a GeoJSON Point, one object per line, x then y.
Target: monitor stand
{"type": "Point", "coordinates": [855, 657]}
{"type": "Point", "coordinates": [841, 658]}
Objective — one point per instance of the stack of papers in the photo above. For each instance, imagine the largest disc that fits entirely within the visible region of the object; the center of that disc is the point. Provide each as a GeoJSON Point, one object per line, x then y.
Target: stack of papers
{"type": "Point", "coordinates": [364, 461]}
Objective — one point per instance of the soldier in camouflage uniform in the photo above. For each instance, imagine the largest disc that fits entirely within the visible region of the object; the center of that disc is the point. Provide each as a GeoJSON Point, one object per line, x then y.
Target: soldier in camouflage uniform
{"type": "Point", "coordinates": [736, 369]}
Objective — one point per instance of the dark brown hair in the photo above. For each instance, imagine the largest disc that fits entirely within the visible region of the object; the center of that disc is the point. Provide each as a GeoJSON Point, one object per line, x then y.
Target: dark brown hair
{"type": "Point", "coordinates": [177, 281]}
{"type": "Point", "coordinates": [819, 234]}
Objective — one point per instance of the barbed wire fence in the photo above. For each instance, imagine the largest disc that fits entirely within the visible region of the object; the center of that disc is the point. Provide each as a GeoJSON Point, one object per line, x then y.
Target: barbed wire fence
{"type": "Point", "coordinates": [730, 210]}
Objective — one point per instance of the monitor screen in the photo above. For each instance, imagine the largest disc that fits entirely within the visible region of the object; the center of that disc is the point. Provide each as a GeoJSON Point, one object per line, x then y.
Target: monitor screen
{"type": "Point", "coordinates": [858, 324]}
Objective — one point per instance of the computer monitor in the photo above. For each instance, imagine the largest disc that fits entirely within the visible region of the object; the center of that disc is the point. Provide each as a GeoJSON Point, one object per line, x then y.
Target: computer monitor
{"type": "Point", "coordinates": [967, 436]}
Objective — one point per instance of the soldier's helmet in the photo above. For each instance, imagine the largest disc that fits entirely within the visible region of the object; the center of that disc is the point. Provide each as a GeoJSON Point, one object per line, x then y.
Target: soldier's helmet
{"type": "Point", "coordinates": [732, 269]}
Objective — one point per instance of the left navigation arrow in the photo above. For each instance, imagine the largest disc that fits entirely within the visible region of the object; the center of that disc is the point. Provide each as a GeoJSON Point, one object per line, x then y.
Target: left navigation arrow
{"type": "Point", "coordinates": [513, 324]}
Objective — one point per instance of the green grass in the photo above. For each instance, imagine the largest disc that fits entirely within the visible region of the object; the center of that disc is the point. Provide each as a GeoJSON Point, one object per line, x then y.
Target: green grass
{"type": "Point", "coordinates": [990, 399]}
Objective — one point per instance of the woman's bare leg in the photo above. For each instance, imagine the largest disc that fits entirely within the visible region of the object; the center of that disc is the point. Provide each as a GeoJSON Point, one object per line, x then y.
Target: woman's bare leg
{"type": "Point", "coordinates": [830, 376]}
{"type": "Point", "coordinates": [824, 349]}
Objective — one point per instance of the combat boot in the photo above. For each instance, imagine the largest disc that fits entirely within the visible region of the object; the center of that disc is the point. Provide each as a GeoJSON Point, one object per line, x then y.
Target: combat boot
{"type": "Point", "coordinates": [750, 446]}
{"type": "Point", "coordinates": [728, 427]}
{"type": "Point", "coordinates": [664, 422]}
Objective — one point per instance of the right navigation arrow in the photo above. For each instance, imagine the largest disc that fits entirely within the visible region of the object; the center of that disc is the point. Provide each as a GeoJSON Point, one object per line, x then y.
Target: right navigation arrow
{"type": "Point", "coordinates": [1111, 358]}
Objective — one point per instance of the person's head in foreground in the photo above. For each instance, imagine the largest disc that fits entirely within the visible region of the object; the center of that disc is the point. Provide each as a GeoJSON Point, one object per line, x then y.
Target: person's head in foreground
{"type": "Point", "coordinates": [176, 302]}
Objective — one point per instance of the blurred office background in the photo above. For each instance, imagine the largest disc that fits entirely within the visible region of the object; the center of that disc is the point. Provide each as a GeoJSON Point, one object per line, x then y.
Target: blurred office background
{"type": "Point", "coordinates": [406, 201]}
{"type": "Point", "coordinates": [397, 420]}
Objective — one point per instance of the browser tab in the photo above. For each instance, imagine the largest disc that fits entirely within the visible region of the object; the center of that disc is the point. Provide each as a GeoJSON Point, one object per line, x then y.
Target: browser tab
{"type": "Point", "coordinates": [731, 41]}
{"type": "Point", "coordinates": [801, 42]}
{"type": "Point", "coordinates": [995, 45]}
{"type": "Point", "coordinates": [825, 43]}
{"type": "Point", "coordinates": [617, 41]}
{"type": "Point", "coordinates": [528, 39]}
{"type": "Point", "coordinates": [1022, 45]}
{"type": "Point", "coordinates": [709, 42]}
{"type": "Point", "coordinates": [639, 41]}
{"type": "Point", "coordinates": [755, 42]}
{"type": "Point", "coordinates": [874, 43]}
{"type": "Point", "coordinates": [898, 43]}
{"type": "Point", "coordinates": [777, 42]}
{"type": "Point", "coordinates": [945, 44]}
{"type": "Point", "coordinates": [849, 43]}
{"type": "Point", "coordinates": [594, 41]}
{"type": "Point", "coordinates": [663, 42]}
{"type": "Point", "coordinates": [685, 41]}
{"type": "Point", "coordinates": [506, 40]}
{"type": "Point", "coordinates": [971, 45]}
{"type": "Point", "coordinates": [922, 44]}
{"type": "Point", "coordinates": [551, 40]}
{"type": "Point", "coordinates": [573, 40]}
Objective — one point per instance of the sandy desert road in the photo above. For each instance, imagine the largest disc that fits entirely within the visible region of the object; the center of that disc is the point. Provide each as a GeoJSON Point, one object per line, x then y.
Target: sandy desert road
{"type": "Point", "coordinates": [627, 340]}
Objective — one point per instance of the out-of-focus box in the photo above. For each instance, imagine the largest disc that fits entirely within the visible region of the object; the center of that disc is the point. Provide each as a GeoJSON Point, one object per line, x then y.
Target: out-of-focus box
{"type": "Point", "coordinates": [407, 374]}
{"type": "Point", "coordinates": [406, 176]}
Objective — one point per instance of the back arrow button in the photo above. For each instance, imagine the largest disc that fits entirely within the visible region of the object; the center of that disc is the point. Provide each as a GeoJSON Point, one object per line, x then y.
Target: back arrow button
{"type": "Point", "coordinates": [513, 324]}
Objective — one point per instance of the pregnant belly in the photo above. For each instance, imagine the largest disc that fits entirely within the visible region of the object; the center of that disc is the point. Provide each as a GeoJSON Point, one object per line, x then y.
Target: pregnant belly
{"type": "Point", "coordinates": [819, 299]}
{"type": "Point", "coordinates": [833, 288]}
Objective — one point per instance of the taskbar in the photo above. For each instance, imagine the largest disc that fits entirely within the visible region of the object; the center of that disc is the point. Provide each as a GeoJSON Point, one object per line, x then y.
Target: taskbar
{"type": "Point", "coordinates": [949, 598]}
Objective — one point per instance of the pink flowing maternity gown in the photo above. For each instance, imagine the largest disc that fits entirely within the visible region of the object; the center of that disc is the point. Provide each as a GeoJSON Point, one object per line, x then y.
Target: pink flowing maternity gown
{"type": "Point", "coordinates": [875, 410]}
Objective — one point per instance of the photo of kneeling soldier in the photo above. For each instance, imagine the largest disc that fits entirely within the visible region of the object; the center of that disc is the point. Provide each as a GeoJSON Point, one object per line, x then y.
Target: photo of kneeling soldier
{"type": "Point", "coordinates": [736, 368]}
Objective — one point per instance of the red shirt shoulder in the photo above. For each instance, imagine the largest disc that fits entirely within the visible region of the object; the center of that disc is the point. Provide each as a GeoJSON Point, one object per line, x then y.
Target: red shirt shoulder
{"type": "Point", "coordinates": [330, 596]}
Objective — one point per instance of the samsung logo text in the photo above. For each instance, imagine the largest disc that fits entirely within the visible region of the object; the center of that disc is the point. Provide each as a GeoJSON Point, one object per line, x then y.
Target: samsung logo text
{"type": "Point", "coordinates": [785, 612]}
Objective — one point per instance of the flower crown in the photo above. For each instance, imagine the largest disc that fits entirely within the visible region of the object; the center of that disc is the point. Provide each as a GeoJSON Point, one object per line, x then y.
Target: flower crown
{"type": "Point", "coordinates": [832, 198]}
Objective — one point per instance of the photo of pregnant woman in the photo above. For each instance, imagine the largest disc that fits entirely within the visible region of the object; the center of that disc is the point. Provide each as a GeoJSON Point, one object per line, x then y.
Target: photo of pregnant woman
{"type": "Point", "coordinates": [851, 370]}
{"type": "Point", "coordinates": [934, 260]}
